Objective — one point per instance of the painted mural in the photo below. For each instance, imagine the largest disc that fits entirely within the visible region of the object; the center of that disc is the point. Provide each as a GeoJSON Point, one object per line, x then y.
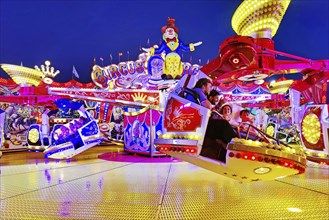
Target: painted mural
{"type": "Point", "coordinates": [17, 121]}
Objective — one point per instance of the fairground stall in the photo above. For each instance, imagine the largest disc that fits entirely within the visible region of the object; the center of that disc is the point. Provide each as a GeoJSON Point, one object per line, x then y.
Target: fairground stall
{"type": "Point", "coordinates": [248, 73]}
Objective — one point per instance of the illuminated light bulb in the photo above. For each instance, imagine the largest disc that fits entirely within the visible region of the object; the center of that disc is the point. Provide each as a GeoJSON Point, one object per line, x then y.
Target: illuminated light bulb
{"type": "Point", "coordinates": [236, 140]}
{"type": "Point", "coordinates": [294, 210]}
{"type": "Point", "coordinates": [270, 146]}
{"type": "Point", "coordinates": [311, 128]}
{"type": "Point", "coordinates": [244, 141]}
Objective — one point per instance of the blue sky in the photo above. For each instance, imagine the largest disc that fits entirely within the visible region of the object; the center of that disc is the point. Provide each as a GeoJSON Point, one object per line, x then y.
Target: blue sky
{"type": "Point", "coordinates": [74, 32]}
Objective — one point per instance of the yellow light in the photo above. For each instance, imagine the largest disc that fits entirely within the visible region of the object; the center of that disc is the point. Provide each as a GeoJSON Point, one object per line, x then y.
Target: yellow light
{"type": "Point", "coordinates": [33, 135]}
{"type": "Point", "coordinates": [23, 75]}
{"type": "Point", "coordinates": [262, 170]}
{"type": "Point", "coordinates": [270, 130]}
{"type": "Point", "coordinates": [236, 140]}
{"type": "Point", "coordinates": [322, 155]}
{"type": "Point", "coordinates": [244, 141]}
{"type": "Point", "coordinates": [311, 128]}
{"type": "Point", "coordinates": [280, 87]}
{"type": "Point", "coordinates": [294, 209]}
{"type": "Point", "coordinates": [250, 12]}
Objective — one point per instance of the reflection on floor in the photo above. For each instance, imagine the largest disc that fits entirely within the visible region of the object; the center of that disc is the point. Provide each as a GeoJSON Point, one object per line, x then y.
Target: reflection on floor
{"type": "Point", "coordinates": [113, 186]}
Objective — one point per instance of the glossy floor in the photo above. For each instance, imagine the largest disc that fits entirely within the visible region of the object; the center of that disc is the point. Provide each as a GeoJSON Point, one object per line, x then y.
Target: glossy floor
{"type": "Point", "coordinates": [134, 187]}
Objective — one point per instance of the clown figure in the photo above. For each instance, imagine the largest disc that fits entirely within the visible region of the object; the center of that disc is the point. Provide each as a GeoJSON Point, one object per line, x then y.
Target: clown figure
{"type": "Point", "coordinates": [172, 46]}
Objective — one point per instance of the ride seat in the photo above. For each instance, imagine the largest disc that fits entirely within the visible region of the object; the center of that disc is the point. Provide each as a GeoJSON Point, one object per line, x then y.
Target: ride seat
{"type": "Point", "coordinates": [218, 134]}
{"type": "Point", "coordinates": [191, 95]}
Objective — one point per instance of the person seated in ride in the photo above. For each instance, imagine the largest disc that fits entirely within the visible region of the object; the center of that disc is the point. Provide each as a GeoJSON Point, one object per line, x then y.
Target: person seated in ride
{"type": "Point", "coordinates": [221, 129]}
{"type": "Point", "coordinates": [216, 109]}
{"type": "Point", "coordinates": [244, 127]}
{"type": "Point", "coordinates": [202, 88]}
{"type": "Point", "coordinates": [225, 112]}
{"type": "Point", "coordinates": [214, 97]}
{"type": "Point", "coordinates": [215, 112]}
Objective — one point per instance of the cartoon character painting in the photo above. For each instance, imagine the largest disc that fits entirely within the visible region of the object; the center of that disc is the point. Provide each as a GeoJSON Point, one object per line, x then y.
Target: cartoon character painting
{"type": "Point", "coordinates": [173, 47]}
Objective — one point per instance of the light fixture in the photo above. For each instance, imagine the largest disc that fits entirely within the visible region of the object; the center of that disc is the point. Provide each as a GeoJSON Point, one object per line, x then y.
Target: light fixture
{"type": "Point", "coordinates": [311, 128]}
{"type": "Point", "coordinates": [259, 18]}
{"type": "Point", "coordinates": [294, 209]}
{"type": "Point", "coordinates": [262, 170]}
{"type": "Point", "coordinates": [280, 86]}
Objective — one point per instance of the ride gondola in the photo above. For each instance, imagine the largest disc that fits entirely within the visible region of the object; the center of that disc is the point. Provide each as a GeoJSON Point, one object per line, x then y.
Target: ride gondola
{"type": "Point", "coordinates": [190, 135]}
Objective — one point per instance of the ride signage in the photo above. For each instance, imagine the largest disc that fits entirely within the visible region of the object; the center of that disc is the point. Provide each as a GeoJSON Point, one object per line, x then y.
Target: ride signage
{"type": "Point", "coordinates": [134, 74]}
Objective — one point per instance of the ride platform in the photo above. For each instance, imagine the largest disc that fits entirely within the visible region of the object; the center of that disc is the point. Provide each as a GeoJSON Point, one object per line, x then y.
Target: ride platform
{"type": "Point", "coordinates": [104, 183]}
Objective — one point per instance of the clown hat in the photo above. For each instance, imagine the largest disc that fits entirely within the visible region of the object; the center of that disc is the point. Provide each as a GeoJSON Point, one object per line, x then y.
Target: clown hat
{"type": "Point", "coordinates": [170, 24]}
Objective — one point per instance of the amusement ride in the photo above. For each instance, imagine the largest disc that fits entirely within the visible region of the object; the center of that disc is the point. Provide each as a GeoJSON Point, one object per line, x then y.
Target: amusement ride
{"type": "Point", "coordinates": [143, 104]}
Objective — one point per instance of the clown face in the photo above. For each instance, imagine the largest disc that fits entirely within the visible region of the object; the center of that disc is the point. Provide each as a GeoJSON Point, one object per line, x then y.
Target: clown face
{"type": "Point", "coordinates": [170, 33]}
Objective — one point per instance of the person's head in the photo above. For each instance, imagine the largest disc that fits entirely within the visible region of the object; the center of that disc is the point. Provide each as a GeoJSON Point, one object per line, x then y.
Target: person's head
{"type": "Point", "coordinates": [214, 97]}
{"type": "Point", "coordinates": [244, 115]}
{"type": "Point", "coordinates": [204, 84]}
{"type": "Point", "coordinates": [225, 110]}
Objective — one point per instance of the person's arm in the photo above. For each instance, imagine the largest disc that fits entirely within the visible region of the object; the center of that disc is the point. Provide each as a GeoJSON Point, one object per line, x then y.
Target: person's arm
{"type": "Point", "coordinates": [206, 103]}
